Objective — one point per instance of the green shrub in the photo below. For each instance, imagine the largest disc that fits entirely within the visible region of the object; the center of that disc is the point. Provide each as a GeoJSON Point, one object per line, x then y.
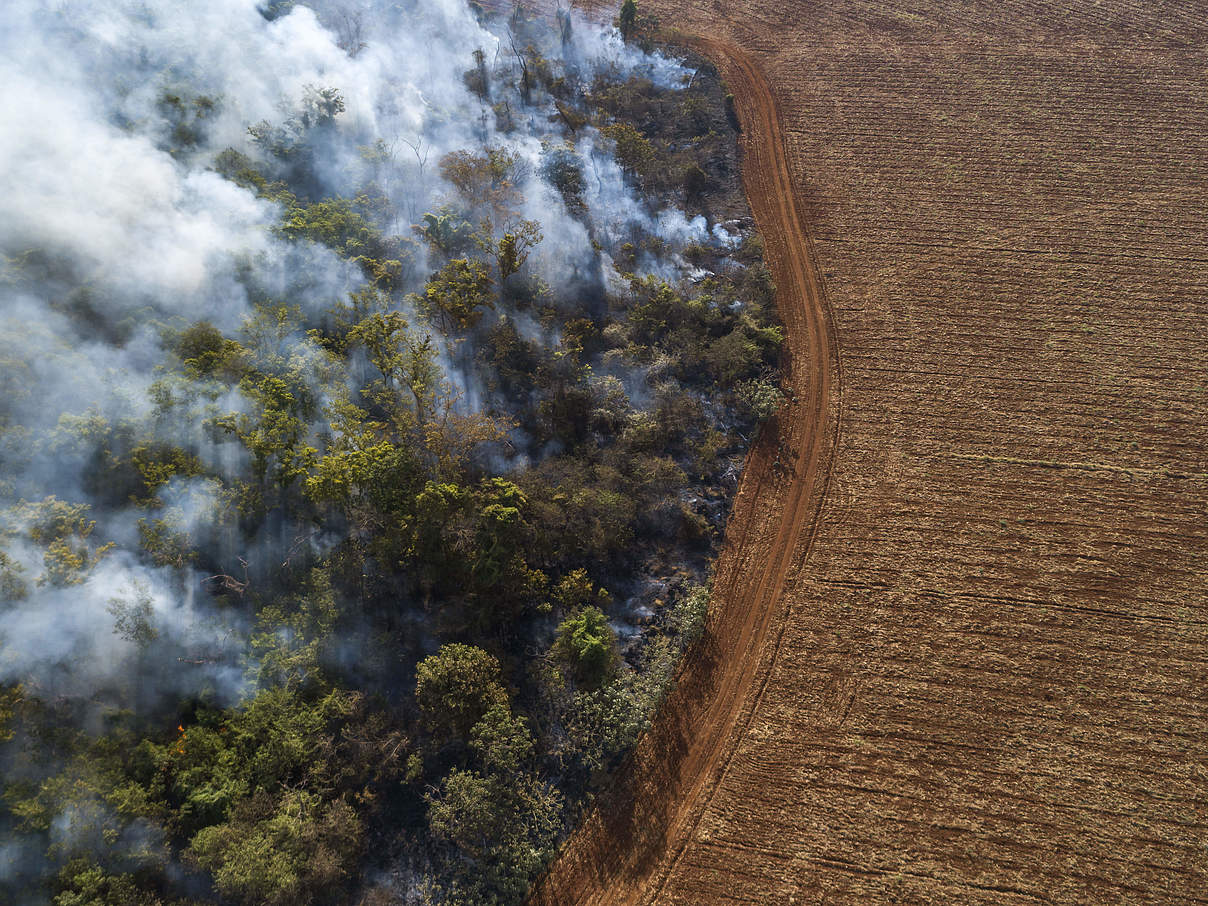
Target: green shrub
{"type": "Point", "coordinates": [634, 152]}
{"type": "Point", "coordinates": [758, 400]}
{"type": "Point", "coordinates": [455, 687]}
{"type": "Point", "coordinates": [587, 645]}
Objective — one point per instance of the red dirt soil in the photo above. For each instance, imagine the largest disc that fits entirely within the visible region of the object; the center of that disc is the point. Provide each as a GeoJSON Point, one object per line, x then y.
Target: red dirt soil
{"type": "Point", "coordinates": [960, 653]}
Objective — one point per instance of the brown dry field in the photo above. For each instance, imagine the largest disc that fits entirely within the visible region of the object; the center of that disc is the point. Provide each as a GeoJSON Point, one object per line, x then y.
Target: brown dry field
{"type": "Point", "coordinates": [960, 653]}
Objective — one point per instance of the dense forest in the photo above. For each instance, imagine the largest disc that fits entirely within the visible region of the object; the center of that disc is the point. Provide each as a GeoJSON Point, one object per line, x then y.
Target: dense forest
{"type": "Point", "coordinates": [376, 378]}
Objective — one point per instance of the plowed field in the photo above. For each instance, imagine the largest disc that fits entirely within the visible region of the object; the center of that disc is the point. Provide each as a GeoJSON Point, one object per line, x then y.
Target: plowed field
{"type": "Point", "coordinates": [960, 650]}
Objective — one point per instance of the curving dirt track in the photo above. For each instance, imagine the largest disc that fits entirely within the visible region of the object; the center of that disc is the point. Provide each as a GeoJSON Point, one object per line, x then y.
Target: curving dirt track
{"type": "Point", "coordinates": [637, 832]}
{"type": "Point", "coordinates": [961, 657]}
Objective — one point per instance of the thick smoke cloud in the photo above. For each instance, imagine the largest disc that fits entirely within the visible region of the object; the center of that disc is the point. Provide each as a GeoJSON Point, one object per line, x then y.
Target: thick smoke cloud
{"type": "Point", "coordinates": [99, 192]}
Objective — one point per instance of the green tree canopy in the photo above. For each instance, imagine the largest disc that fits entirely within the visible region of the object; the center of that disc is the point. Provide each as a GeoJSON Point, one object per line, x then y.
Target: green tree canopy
{"type": "Point", "coordinates": [455, 687]}
{"type": "Point", "coordinates": [295, 849]}
{"type": "Point", "coordinates": [456, 295]}
{"type": "Point", "coordinates": [587, 644]}
{"type": "Point", "coordinates": [501, 829]}
{"type": "Point", "coordinates": [634, 152]}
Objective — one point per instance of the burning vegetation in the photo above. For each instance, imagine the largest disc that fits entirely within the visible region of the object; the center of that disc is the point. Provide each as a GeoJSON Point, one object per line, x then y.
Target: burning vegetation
{"type": "Point", "coordinates": [376, 379]}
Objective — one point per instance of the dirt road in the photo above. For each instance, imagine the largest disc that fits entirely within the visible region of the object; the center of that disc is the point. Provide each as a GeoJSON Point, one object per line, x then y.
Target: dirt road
{"type": "Point", "coordinates": [638, 832]}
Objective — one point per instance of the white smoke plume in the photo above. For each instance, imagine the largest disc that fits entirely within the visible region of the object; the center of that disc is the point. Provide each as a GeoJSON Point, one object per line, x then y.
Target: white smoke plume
{"type": "Point", "coordinates": [100, 187]}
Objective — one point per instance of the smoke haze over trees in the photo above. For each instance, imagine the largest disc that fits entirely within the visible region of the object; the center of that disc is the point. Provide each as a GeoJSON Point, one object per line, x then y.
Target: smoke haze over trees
{"type": "Point", "coordinates": [373, 377]}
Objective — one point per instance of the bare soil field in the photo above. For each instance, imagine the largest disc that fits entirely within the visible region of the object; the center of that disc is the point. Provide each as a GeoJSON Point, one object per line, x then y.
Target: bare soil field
{"type": "Point", "coordinates": [960, 649]}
